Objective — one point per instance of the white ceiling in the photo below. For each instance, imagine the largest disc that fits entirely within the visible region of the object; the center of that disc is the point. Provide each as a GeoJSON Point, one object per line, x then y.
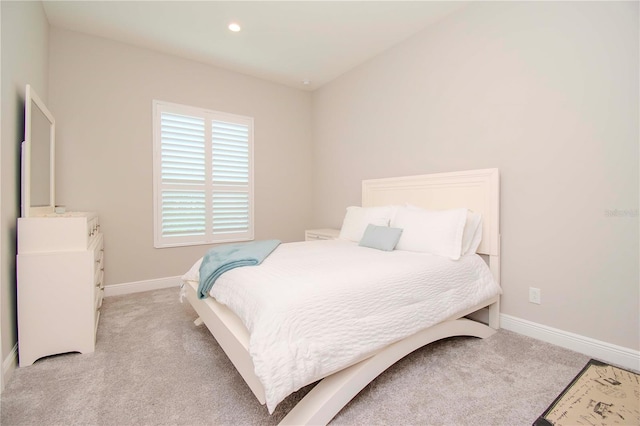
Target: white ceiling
{"type": "Point", "coordinates": [284, 42]}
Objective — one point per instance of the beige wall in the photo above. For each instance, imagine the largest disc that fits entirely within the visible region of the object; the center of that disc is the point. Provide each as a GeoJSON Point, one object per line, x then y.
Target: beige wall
{"type": "Point", "coordinates": [101, 93]}
{"type": "Point", "coordinates": [25, 33]}
{"type": "Point", "coordinates": [548, 93]}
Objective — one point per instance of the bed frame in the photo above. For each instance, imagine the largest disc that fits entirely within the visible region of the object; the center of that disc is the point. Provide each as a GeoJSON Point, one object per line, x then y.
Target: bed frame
{"type": "Point", "coordinates": [478, 190]}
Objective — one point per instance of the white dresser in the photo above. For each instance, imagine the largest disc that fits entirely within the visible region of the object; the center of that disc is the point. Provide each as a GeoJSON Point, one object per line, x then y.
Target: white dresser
{"type": "Point", "coordinates": [60, 268]}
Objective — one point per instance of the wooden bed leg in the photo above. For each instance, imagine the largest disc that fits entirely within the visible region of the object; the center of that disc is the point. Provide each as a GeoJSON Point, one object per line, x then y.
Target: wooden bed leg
{"type": "Point", "coordinates": [494, 315]}
{"type": "Point", "coordinates": [198, 321]}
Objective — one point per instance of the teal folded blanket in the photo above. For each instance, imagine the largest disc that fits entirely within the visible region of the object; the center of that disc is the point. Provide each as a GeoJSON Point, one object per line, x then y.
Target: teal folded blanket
{"type": "Point", "coordinates": [223, 258]}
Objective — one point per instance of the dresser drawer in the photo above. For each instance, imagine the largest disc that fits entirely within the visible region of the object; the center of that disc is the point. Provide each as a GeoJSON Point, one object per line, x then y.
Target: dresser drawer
{"type": "Point", "coordinates": [65, 232]}
{"type": "Point", "coordinates": [98, 270]}
{"type": "Point", "coordinates": [98, 296]}
{"type": "Point", "coordinates": [98, 278]}
{"type": "Point", "coordinates": [93, 226]}
{"type": "Point", "coordinates": [97, 245]}
{"type": "Point", "coordinates": [96, 319]}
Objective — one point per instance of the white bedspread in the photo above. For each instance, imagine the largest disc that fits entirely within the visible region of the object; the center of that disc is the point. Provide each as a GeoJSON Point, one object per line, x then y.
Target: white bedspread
{"type": "Point", "coordinates": [316, 307]}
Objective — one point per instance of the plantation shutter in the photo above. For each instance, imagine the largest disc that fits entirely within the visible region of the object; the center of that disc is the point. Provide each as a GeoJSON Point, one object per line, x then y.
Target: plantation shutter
{"type": "Point", "coordinates": [203, 178]}
{"type": "Point", "coordinates": [183, 176]}
{"type": "Point", "coordinates": [230, 177]}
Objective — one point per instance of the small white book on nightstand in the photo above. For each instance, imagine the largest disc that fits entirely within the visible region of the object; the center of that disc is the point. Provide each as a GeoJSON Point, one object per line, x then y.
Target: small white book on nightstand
{"type": "Point", "coordinates": [321, 234]}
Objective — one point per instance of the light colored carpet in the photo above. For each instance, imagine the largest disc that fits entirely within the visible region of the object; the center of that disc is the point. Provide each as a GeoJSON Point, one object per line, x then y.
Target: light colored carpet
{"type": "Point", "coordinates": [152, 366]}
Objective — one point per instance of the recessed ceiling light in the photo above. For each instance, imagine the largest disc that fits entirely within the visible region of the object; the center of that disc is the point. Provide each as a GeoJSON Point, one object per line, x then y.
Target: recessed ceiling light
{"type": "Point", "coordinates": [235, 27]}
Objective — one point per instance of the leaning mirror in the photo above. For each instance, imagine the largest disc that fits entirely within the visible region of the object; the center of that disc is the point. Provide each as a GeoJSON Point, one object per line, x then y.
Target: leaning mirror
{"type": "Point", "coordinates": [38, 157]}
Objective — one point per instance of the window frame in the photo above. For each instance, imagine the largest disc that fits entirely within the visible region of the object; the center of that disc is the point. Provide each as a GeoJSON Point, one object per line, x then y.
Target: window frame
{"type": "Point", "coordinates": [209, 237]}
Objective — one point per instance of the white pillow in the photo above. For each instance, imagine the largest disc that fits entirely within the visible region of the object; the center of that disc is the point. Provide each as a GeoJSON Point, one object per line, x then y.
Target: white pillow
{"type": "Point", "coordinates": [357, 218]}
{"type": "Point", "coordinates": [437, 232]}
{"type": "Point", "coordinates": [472, 234]}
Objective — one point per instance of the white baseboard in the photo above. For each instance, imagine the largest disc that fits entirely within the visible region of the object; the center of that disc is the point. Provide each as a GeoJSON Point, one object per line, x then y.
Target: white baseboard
{"type": "Point", "coordinates": [140, 286]}
{"type": "Point", "coordinates": [9, 365]}
{"type": "Point", "coordinates": [613, 354]}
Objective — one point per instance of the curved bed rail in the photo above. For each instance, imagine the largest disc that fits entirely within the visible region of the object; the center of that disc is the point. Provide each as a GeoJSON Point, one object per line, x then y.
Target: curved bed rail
{"type": "Point", "coordinates": [329, 396]}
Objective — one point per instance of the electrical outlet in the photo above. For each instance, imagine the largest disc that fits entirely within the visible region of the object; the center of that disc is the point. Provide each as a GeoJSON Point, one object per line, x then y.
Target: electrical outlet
{"type": "Point", "coordinates": [534, 295]}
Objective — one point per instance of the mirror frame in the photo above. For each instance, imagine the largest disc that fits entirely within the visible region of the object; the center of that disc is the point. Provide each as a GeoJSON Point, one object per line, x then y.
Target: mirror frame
{"type": "Point", "coordinates": [32, 100]}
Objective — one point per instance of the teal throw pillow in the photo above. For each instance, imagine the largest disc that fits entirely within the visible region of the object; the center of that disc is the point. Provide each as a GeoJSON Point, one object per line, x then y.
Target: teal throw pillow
{"type": "Point", "coordinates": [380, 237]}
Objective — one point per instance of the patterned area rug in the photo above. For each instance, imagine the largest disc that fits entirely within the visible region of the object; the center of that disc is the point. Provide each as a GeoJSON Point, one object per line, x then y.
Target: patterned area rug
{"type": "Point", "coordinates": [601, 394]}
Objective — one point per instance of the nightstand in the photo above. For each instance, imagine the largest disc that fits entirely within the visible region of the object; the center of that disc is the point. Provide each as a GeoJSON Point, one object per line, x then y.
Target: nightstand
{"type": "Point", "coordinates": [321, 234]}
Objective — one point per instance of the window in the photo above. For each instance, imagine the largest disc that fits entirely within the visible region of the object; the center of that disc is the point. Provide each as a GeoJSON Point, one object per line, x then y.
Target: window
{"type": "Point", "coordinates": [203, 176]}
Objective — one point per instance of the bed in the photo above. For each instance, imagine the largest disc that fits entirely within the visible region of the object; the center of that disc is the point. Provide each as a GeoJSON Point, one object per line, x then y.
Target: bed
{"type": "Point", "coordinates": [477, 190]}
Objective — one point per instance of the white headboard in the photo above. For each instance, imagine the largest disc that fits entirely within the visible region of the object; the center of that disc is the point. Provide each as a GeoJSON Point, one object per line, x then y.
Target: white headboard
{"type": "Point", "coordinates": [478, 190]}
